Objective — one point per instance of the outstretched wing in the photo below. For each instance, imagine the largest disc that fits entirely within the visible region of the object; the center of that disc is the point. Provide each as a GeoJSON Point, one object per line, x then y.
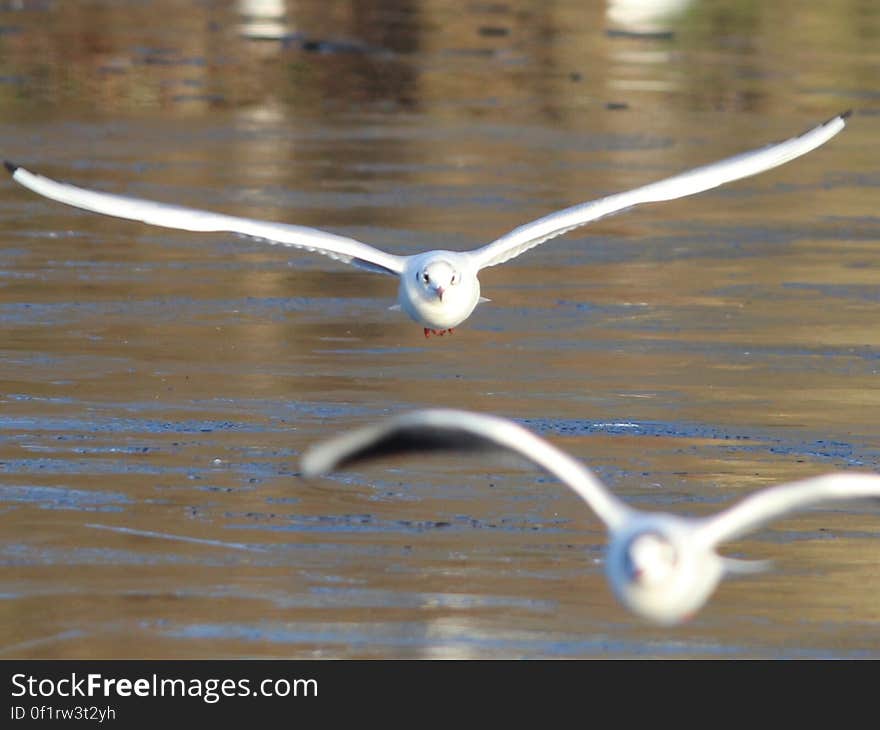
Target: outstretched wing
{"type": "Point", "coordinates": [687, 183]}
{"type": "Point", "coordinates": [769, 504]}
{"type": "Point", "coordinates": [452, 430]}
{"type": "Point", "coordinates": [190, 219]}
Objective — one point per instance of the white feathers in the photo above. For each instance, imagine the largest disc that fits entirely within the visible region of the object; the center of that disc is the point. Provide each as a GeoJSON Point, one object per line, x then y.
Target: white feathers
{"type": "Point", "coordinates": [191, 219]}
{"type": "Point", "coordinates": [661, 566]}
{"type": "Point", "coordinates": [687, 183]}
{"type": "Point", "coordinates": [424, 302]}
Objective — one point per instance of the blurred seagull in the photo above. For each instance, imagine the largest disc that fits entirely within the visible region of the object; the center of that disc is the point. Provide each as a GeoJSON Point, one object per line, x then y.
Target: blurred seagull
{"type": "Point", "coordinates": [661, 566]}
{"type": "Point", "coordinates": [438, 289]}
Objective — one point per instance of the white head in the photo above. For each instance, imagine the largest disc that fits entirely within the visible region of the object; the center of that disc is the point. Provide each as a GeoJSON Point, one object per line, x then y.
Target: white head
{"type": "Point", "coordinates": [437, 278]}
{"type": "Point", "coordinates": [439, 289]}
{"type": "Point", "coordinates": [659, 572]}
{"type": "Point", "coordinates": [650, 559]}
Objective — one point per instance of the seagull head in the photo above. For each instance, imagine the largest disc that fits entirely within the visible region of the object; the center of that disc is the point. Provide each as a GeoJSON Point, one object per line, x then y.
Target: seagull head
{"type": "Point", "coordinates": [660, 571]}
{"type": "Point", "coordinates": [650, 559]}
{"type": "Point", "coordinates": [437, 277]}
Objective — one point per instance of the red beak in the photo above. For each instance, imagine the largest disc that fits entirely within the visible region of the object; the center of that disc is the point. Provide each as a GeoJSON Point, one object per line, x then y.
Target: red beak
{"type": "Point", "coordinates": [440, 291]}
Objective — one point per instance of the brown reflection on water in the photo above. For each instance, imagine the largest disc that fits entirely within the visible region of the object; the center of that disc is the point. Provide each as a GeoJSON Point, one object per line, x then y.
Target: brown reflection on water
{"type": "Point", "coordinates": [157, 387]}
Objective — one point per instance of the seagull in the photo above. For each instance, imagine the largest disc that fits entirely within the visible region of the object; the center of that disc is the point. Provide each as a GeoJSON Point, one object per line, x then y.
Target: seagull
{"type": "Point", "coordinates": [661, 566]}
{"type": "Point", "coordinates": [438, 289]}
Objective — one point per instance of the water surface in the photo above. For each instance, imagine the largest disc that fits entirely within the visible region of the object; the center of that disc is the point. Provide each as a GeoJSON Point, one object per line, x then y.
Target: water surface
{"type": "Point", "coordinates": [157, 387]}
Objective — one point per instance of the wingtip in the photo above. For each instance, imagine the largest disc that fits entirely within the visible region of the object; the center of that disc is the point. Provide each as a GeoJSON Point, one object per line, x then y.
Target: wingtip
{"type": "Point", "coordinates": [843, 116]}
{"type": "Point", "coordinates": [314, 463]}
{"type": "Point", "coordinates": [11, 166]}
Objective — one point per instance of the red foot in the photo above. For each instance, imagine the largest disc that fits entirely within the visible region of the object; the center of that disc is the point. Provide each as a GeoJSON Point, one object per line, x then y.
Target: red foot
{"type": "Point", "coordinates": [439, 333]}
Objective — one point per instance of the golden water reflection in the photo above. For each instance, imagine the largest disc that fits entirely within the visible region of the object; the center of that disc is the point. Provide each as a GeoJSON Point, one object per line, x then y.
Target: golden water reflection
{"type": "Point", "coordinates": [158, 386]}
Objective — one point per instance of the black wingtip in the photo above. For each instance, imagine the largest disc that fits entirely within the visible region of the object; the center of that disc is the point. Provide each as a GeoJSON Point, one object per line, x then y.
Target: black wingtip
{"type": "Point", "coordinates": [843, 115]}
{"type": "Point", "coordinates": [12, 167]}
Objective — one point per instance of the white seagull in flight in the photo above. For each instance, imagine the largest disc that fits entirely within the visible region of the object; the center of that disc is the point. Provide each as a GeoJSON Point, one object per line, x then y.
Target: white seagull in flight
{"type": "Point", "coordinates": [438, 289]}
{"type": "Point", "coordinates": [661, 566]}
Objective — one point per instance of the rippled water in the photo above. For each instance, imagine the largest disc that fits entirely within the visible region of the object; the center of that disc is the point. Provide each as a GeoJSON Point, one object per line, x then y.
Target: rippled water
{"type": "Point", "coordinates": [157, 387]}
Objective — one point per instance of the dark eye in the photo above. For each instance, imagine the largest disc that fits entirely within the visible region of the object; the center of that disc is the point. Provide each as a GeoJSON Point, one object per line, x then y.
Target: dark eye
{"type": "Point", "coordinates": [426, 278]}
{"type": "Point", "coordinates": [452, 280]}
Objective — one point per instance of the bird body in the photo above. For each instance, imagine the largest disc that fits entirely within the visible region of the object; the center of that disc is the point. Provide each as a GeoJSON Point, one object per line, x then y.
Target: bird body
{"type": "Point", "coordinates": [659, 570]}
{"type": "Point", "coordinates": [438, 289]}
